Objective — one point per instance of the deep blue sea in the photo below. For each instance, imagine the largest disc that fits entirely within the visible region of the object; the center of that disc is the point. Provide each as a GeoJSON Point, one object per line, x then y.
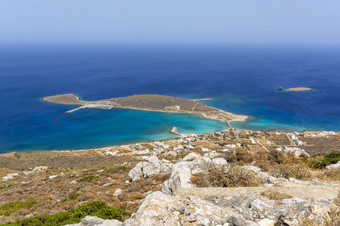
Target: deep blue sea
{"type": "Point", "coordinates": [240, 79]}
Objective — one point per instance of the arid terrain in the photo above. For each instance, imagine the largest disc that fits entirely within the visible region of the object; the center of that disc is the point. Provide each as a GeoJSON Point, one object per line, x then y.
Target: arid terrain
{"type": "Point", "coordinates": [210, 170]}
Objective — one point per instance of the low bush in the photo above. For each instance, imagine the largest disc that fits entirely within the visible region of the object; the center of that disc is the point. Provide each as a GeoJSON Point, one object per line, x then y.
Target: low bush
{"type": "Point", "coordinates": [276, 156]}
{"type": "Point", "coordinates": [9, 208]}
{"type": "Point", "coordinates": [200, 180]}
{"type": "Point", "coordinates": [97, 208]}
{"type": "Point", "coordinates": [320, 161]}
{"type": "Point", "coordinates": [297, 171]}
{"type": "Point", "coordinates": [332, 174]}
{"type": "Point", "coordinates": [235, 177]}
{"type": "Point", "coordinates": [238, 156]}
{"type": "Point", "coordinates": [275, 195]}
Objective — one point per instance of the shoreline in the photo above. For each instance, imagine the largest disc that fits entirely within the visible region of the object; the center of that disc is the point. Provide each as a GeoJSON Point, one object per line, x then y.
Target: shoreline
{"type": "Point", "coordinates": [180, 136]}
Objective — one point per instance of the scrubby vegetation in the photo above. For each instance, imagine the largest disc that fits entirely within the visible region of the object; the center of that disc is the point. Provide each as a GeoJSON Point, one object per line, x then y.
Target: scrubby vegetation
{"type": "Point", "coordinates": [72, 216]}
{"type": "Point", "coordinates": [9, 208]}
{"type": "Point", "coordinates": [235, 177]}
{"type": "Point", "coordinates": [320, 161]}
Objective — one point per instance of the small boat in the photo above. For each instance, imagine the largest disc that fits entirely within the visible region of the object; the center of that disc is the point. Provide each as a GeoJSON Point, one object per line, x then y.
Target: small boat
{"type": "Point", "coordinates": [280, 88]}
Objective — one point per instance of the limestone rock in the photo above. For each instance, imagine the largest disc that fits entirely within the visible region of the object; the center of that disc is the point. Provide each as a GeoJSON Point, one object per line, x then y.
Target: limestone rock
{"type": "Point", "coordinates": [161, 209]}
{"type": "Point", "coordinates": [212, 154]}
{"type": "Point", "coordinates": [117, 192]}
{"type": "Point", "coordinates": [334, 166]}
{"type": "Point", "coordinates": [96, 221]}
{"type": "Point", "coordinates": [179, 178]}
{"type": "Point", "coordinates": [191, 156]}
{"type": "Point", "coordinates": [148, 169]}
{"type": "Point", "coordinates": [297, 152]}
{"type": "Point", "coordinates": [219, 163]}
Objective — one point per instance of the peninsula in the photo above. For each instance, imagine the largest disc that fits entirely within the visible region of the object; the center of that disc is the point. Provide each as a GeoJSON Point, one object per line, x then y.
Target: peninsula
{"type": "Point", "coordinates": [149, 102]}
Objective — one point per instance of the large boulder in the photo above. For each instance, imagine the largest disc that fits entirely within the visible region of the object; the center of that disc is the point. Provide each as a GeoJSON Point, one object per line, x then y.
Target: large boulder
{"type": "Point", "coordinates": [219, 163]}
{"type": "Point", "coordinates": [297, 152]}
{"type": "Point", "coordinates": [179, 178]}
{"type": "Point", "coordinates": [150, 168]}
{"type": "Point", "coordinates": [161, 209]}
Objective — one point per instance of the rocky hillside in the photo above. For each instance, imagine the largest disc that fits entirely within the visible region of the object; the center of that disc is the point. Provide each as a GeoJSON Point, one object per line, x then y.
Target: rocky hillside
{"type": "Point", "coordinates": [268, 179]}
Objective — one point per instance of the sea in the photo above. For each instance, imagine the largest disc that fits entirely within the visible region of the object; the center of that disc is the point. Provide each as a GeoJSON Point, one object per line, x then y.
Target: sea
{"type": "Point", "coordinates": [239, 79]}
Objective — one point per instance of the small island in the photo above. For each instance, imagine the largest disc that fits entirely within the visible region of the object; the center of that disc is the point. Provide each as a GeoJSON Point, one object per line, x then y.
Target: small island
{"type": "Point", "coordinates": [298, 89]}
{"type": "Point", "coordinates": [149, 102]}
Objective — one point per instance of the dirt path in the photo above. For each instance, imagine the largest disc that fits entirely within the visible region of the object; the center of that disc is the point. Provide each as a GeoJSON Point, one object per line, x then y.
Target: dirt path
{"type": "Point", "coordinates": [319, 192]}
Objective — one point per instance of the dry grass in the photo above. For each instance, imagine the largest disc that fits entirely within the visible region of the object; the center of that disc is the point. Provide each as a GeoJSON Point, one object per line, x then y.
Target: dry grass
{"type": "Point", "coordinates": [161, 177]}
{"type": "Point", "coordinates": [275, 195]}
{"type": "Point", "coordinates": [236, 177]}
{"type": "Point", "coordinates": [336, 201]}
{"type": "Point", "coordinates": [200, 180]}
{"type": "Point", "coordinates": [332, 174]}
{"type": "Point", "coordinates": [295, 170]}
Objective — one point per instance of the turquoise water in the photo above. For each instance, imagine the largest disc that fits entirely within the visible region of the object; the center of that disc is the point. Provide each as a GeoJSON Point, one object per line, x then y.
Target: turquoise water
{"type": "Point", "coordinates": [94, 128]}
{"type": "Point", "coordinates": [242, 80]}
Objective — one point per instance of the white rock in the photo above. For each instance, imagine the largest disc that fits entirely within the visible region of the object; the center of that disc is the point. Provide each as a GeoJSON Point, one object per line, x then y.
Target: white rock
{"type": "Point", "coordinates": [219, 163]}
{"type": "Point", "coordinates": [334, 166]}
{"type": "Point", "coordinates": [10, 176]}
{"type": "Point", "coordinates": [150, 168]}
{"type": "Point", "coordinates": [117, 192]}
{"type": "Point", "coordinates": [191, 156]}
{"type": "Point", "coordinates": [211, 154]}
{"type": "Point", "coordinates": [179, 178]}
{"type": "Point", "coordinates": [96, 221]}
{"type": "Point", "coordinates": [297, 152]}
{"type": "Point", "coordinates": [204, 149]}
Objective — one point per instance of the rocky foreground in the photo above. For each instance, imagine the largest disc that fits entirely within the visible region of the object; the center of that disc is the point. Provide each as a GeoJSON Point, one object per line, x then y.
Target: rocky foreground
{"type": "Point", "coordinates": [268, 179]}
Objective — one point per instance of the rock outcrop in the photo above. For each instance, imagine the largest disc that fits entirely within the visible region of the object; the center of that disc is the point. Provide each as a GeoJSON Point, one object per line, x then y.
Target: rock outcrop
{"type": "Point", "coordinates": [148, 169]}
{"type": "Point", "coordinates": [161, 209]}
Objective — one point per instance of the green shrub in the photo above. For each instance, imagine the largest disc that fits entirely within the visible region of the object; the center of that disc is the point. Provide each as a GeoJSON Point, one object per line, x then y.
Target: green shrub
{"type": "Point", "coordinates": [87, 178]}
{"type": "Point", "coordinates": [320, 161]}
{"type": "Point", "coordinates": [9, 208]}
{"type": "Point", "coordinates": [97, 208]}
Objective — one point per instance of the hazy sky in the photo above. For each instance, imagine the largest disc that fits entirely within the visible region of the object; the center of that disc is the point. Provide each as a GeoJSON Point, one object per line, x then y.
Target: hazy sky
{"type": "Point", "coordinates": [170, 21]}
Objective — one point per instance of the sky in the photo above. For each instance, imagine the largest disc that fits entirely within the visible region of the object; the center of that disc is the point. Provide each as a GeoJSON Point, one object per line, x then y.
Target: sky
{"type": "Point", "coordinates": [170, 21]}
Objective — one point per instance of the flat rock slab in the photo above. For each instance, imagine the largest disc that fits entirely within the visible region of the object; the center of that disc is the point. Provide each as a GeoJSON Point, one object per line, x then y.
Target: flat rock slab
{"type": "Point", "coordinates": [318, 192]}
